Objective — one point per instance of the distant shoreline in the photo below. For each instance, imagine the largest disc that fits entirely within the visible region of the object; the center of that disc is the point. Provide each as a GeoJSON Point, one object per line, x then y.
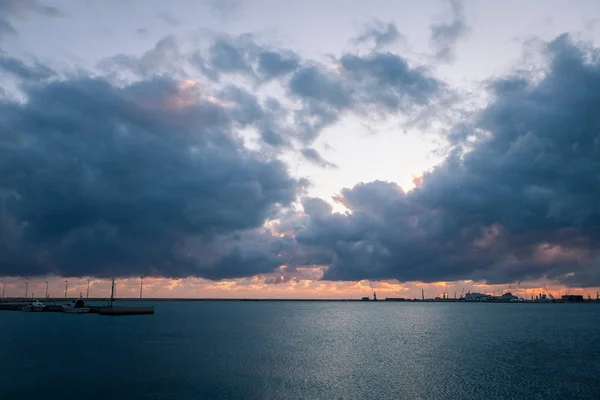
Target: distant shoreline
{"type": "Point", "coordinates": [168, 299]}
{"type": "Point", "coordinates": [175, 299]}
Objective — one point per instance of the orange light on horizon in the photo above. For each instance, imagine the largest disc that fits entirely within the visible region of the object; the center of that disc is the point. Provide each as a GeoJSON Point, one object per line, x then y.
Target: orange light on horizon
{"type": "Point", "coordinates": [285, 283]}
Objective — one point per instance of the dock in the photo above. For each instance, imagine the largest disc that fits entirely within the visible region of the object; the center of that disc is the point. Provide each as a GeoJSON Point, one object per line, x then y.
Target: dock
{"type": "Point", "coordinates": [122, 310]}
{"type": "Point", "coordinates": [101, 310]}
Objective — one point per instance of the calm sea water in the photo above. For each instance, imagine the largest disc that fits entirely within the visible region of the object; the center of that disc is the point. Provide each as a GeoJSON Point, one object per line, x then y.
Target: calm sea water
{"type": "Point", "coordinates": [281, 350]}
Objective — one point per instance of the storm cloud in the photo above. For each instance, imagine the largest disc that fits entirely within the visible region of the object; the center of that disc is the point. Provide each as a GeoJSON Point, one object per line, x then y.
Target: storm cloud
{"type": "Point", "coordinates": [24, 71]}
{"type": "Point", "coordinates": [104, 180]}
{"type": "Point", "coordinates": [151, 176]}
{"type": "Point", "coordinates": [314, 157]}
{"type": "Point", "coordinates": [378, 83]}
{"type": "Point", "coordinates": [516, 199]}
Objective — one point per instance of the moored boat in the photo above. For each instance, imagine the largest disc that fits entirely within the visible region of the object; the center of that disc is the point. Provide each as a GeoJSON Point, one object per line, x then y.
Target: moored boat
{"type": "Point", "coordinates": [76, 307]}
{"type": "Point", "coordinates": [34, 306]}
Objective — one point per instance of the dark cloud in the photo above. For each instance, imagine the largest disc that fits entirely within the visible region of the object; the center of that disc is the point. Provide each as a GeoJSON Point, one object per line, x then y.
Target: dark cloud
{"type": "Point", "coordinates": [376, 83]}
{"type": "Point", "coordinates": [272, 64]}
{"type": "Point", "coordinates": [324, 97]}
{"type": "Point", "coordinates": [519, 202]}
{"type": "Point", "coordinates": [23, 71]}
{"type": "Point", "coordinates": [153, 177]}
{"type": "Point", "coordinates": [445, 35]}
{"type": "Point", "coordinates": [266, 118]}
{"type": "Point", "coordinates": [241, 55]}
{"type": "Point", "coordinates": [233, 54]}
{"type": "Point", "coordinates": [314, 157]}
{"type": "Point", "coordinates": [226, 56]}
{"type": "Point", "coordinates": [386, 79]}
{"type": "Point", "coordinates": [314, 85]}
{"type": "Point", "coordinates": [380, 34]}
{"type": "Point", "coordinates": [198, 61]}
{"type": "Point", "coordinates": [105, 180]}
{"type": "Point", "coordinates": [273, 138]}
{"type": "Point", "coordinates": [273, 130]}
{"type": "Point", "coordinates": [242, 254]}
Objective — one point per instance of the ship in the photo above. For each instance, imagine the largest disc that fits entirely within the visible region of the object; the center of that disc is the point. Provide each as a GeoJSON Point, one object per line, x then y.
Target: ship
{"type": "Point", "coordinates": [507, 297]}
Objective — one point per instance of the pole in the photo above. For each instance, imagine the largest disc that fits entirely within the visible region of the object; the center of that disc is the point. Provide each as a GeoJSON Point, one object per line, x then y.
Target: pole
{"type": "Point", "coordinates": [141, 286]}
{"type": "Point", "coordinates": [66, 288]}
{"type": "Point", "coordinates": [87, 294]}
{"type": "Point", "coordinates": [3, 289]}
{"type": "Point", "coordinates": [112, 291]}
{"type": "Point", "coordinates": [26, 288]}
{"type": "Point", "coordinates": [46, 295]}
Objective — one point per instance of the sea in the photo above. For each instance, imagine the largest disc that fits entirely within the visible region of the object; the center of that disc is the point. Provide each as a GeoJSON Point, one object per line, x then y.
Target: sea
{"type": "Point", "coordinates": [306, 350]}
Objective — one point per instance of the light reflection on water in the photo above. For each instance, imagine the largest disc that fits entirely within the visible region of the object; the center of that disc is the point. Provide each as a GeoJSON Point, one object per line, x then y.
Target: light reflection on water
{"type": "Point", "coordinates": [315, 350]}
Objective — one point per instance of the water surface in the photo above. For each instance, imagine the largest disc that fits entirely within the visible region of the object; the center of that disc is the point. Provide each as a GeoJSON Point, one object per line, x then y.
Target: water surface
{"type": "Point", "coordinates": [306, 350]}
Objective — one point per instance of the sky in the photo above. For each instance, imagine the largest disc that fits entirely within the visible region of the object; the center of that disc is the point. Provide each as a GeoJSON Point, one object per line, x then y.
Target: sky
{"type": "Point", "coordinates": [260, 148]}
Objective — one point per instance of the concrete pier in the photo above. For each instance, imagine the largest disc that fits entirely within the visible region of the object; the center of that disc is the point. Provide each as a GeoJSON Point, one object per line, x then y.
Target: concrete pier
{"type": "Point", "coordinates": [123, 310]}
{"type": "Point", "coordinates": [12, 306]}
{"type": "Point", "coordinates": [102, 310]}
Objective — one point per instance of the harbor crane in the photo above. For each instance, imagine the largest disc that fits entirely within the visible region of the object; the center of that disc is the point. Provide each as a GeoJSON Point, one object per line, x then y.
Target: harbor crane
{"type": "Point", "coordinates": [548, 293]}
{"type": "Point", "coordinates": [373, 291]}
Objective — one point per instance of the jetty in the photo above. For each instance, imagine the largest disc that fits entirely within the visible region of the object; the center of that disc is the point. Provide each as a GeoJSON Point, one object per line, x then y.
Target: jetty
{"type": "Point", "coordinates": [79, 305]}
{"type": "Point", "coordinates": [122, 310]}
{"type": "Point", "coordinates": [101, 310]}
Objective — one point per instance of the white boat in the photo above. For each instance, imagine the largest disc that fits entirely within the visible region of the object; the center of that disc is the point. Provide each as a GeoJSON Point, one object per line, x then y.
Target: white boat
{"type": "Point", "coordinates": [76, 307]}
{"type": "Point", "coordinates": [34, 306]}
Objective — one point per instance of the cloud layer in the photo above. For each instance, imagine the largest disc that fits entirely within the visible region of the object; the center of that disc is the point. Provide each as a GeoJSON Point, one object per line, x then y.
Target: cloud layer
{"type": "Point", "coordinates": [151, 172]}
{"type": "Point", "coordinates": [517, 198]}
{"type": "Point", "coordinates": [122, 180]}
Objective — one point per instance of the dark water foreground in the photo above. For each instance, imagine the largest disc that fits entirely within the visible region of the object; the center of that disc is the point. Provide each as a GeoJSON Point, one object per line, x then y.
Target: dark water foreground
{"type": "Point", "coordinates": [277, 350]}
